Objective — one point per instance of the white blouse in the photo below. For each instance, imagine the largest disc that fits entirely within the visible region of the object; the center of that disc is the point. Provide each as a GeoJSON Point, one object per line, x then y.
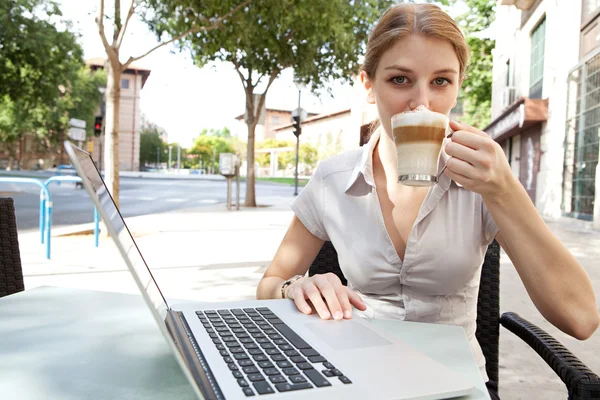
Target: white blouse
{"type": "Point", "coordinates": [438, 281]}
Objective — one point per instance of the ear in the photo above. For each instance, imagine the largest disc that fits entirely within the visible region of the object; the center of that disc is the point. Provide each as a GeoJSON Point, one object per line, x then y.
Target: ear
{"type": "Point", "coordinates": [368, 85]}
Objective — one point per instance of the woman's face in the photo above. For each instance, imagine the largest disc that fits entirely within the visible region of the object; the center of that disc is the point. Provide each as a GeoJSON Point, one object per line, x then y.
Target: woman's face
{"type": "Point", "coordinates": [415, 71]}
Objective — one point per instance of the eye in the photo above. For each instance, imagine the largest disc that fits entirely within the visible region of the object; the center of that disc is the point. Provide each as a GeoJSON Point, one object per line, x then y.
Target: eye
{"type": "Point", "coordinates": [441, 81]}
{"type": "Point", "coordinates": [399, 80]}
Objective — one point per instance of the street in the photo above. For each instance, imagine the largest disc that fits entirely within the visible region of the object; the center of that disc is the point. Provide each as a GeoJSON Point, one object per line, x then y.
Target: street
{"type": "Point", "coordinates": [139, 196]}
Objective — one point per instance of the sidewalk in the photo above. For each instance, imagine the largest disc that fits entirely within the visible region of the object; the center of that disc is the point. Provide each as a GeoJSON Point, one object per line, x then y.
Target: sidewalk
{"type": "Point", "coordinates": [210, 254]}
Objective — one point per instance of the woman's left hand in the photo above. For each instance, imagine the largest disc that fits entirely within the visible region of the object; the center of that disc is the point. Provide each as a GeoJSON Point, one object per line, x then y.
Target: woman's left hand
{"type": "Point", "coordinates": [477, 162]}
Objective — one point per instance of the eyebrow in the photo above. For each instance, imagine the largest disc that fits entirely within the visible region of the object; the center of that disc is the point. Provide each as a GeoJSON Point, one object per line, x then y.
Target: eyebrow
{"type": "Point", "coordinates": [410, 71]}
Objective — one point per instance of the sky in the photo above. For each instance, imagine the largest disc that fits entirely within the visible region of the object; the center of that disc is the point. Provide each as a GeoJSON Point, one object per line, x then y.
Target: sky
{"type": "Point", "coordinates": [182, 98]}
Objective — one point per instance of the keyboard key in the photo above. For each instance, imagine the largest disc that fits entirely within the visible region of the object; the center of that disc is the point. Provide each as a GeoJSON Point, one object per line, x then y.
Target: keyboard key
{"type": "Point", "coordinates": [304, 366]}
{"type": "Point", "coordinates": [317, 359]}
{"type": "Point", "coordinates": [263, 387]}
{"type": "Point", "coordinates": [310, 352]}
{"type": "Point", "coordinates": [251, 345]}
{"type": "Point", "coordinates": [250, 370]}
{"type": "Point", "coordinates": [248, 392]}
{"type": "Point", "coordinates": [263, 310]}
{"type": "Point", "coordinates": [210, 312]}
{"type": "Point", "coordinates": [224, 312]}
{"type": "Point", "coordinates": [235, 350]}
{"type": "Point", "coordinates": [232, 367]}
{"type": "Point", "coordinates": [286, 387]}
{"type": "Point", "coordinates": [228, 360]}
{"type": "Point", "coordinates": [267, 346]}
{"type": "Point", "coordinates": [242, 383]}
{"type": "Point", "coordinates": [273, 352]}
{"type": "Point", "coordinates": [328, 365]}
{"type": "Point", "coordinates": [237, 311]}
{"type": "Point", "coordinates": [284, 364]}
{"type": "Point", "coordinates": [271, 371]}
{"type": "Point", "coordinates": [224, 353]}
{"type": "Point", "coordinates": [328, 373]}
{"type": "Point", "coordinates": [297, 379]}
{"type": "Point", "coordinates": [260, 357]}
{"type": "Point", "coordinates": [292, 336]}
{"type": "Point", "coordinates": [246, 340]}
{"type": "Point", "coordinates": [256, 377]}
{"type": "Point", "coordinates": [263, 340]}
{"type": "Point", "coordinates": [278, 357]}
{"type": "Point", "coordinates": [290, 371]}
{"type": "Point", "coordinates": [240, 356]}
{"type": "Point", "coordinates": [345, 379]}
{"type": "Point", "coordinates": [232, 344]}
{"type": "Point", "coordinates": [237, 374]}
{"type": "Point", "coordinates": [316, 378]}
{"type": "Point", "coordinates": [255, 351]}
{"type": "Point", "coordinates": [266, 364]}
{"type": "Point", "coordinates": [277, 379]}
{"type": "Point", "coordinates": [291, 353]}
{"type": "Point", "coordinates": [220, 346]}
{"type": "Point", "coordinates": [199, 313]}
{"type": "Point", "coordinates": [285, 347]}
{"type": "Point", "coordinates": [298, 359]}
{"type": "Point", "coordinates": [278, 341]}
{"type": "Point", "coordinates": [245, 363]}
{"type": "Point", "coordinates": [249, 310]}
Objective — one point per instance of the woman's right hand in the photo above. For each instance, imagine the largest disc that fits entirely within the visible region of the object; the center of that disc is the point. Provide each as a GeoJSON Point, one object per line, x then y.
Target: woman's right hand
{"type": "Point", "coordinates": [326, 294]}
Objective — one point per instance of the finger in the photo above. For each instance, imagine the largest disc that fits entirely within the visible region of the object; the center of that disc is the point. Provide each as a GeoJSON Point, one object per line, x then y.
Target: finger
{"type": "Point", "coordinates": [328, 292]}
{"type": "Point", "coordinates": [462, 152]}
{"type": "Point", "coordinates": [458, 126]}
{"type": "Point", "coordinates": [297, 294]}
{"type": "Point", "coordinates": [314, 295]}
{"type": "Point", "coordinates": [344, 300]}
{"type": "Point", "coordinates": [356, 300]}
{"type": "Point", "coordinates": [469, 139]}
{"type": "Point", "coordinates": [463, 180]}
{"type": "Point", "coordinates": [461, 167]}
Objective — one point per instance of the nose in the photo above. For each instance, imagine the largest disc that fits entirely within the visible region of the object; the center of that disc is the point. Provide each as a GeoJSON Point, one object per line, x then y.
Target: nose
{"type": "Point", "coordinates": [419, 97]}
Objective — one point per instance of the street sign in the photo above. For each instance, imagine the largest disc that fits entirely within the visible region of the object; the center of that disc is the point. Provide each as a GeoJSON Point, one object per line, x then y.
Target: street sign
{"type": "Point", "coordinates": [300, 111]}
{"type": "Point", "coordinates": [226, 164]}
{"type": "Point", "coordinates": [77, 134]}
{"type": "Point", "coordinates": [77, 123]}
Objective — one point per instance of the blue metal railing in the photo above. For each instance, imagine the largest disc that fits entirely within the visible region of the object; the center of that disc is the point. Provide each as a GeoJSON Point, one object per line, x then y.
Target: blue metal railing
{"type": "Point", "coordinates": [45, 218]}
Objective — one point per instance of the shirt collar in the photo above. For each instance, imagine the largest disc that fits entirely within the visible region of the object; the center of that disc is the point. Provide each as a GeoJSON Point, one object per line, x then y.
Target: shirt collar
{"type": "Point", "coordinates": [362, 181]}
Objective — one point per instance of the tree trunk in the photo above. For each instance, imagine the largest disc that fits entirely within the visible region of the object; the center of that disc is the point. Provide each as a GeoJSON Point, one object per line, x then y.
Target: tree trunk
{"type": "Point", "coordinates": [111, 133]}
{"type": "Point", "coordinates": [250, 192]}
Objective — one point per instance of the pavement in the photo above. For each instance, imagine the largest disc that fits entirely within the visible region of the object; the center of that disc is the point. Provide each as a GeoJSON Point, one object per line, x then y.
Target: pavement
{"type": "Point", "coordinates": [212, 254]}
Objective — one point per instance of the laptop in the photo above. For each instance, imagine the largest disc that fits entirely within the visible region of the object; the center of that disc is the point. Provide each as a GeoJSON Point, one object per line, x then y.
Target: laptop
{"type": "Point", "coordinates": [267, 348]}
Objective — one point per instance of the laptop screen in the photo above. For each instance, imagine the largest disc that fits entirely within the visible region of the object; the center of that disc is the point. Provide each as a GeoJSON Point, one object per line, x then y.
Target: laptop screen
{"type": "Point", "coordinates": [93, 182]}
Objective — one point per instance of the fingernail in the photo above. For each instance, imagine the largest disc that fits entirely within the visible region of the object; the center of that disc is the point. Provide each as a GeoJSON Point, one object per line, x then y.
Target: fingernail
{"type": "Point", "coordinates": [348, 314]}
{"type": "Point", "coordinates": [325, 314]}
{"type": "Point", "coordinates": [307, 310]}
{"type": "Point", "coordinates": [338, 315]}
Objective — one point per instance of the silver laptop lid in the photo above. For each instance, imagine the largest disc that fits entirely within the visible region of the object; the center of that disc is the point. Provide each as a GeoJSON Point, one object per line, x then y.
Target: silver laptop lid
{"type": "Point", "coordinates": [110, 214]}
{"type": "Point", "coordinates": [118, 230]}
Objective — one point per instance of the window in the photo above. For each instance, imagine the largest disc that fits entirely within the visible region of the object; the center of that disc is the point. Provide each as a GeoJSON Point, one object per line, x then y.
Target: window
{"type": "Point", "coordinates": [536, 69]}
{"type": "Point", "coordinates": [124, 83]}
{"type": "Point", "coordinates": [588, 9]}
{"type": "Point", "coordinates": [508, 73]}
{"type": "Point", "coordinates": [275, 120]}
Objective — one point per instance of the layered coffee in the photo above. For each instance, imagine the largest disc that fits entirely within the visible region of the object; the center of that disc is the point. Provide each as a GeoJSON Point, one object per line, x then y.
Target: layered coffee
{"type": "Point", "coordinates": [418, 135]}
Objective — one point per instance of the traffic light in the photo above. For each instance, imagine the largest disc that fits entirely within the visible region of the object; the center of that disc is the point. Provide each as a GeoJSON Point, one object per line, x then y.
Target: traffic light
{"type": "Point", "coordinates": [98, 126]}
{"type": "Point", "coordinates": [297, 128]}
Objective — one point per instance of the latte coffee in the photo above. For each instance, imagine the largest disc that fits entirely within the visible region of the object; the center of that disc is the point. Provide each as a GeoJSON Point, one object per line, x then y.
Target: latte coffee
{"type": "Point", "coordinates": [419, 135]}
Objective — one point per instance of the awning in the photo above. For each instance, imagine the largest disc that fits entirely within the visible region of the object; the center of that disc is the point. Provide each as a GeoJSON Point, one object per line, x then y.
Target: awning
{"type": "Point", "coordinates": [520, 116]}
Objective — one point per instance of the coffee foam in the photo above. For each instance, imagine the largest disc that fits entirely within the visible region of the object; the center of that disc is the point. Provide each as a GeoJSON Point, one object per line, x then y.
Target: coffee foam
{"type": "Point", "coordinates": [418, 117]}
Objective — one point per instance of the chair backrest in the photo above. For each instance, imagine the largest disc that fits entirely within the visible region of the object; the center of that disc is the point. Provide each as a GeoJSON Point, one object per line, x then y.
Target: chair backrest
{"type": "Point", "coordinates": [488, 302]}
{"type": "Point", "coordinates": [11, 274]}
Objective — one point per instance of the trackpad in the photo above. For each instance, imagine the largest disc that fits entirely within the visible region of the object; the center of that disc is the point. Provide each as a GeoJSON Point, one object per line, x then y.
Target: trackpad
{"type": "Point", "coordinates": [342, 335]}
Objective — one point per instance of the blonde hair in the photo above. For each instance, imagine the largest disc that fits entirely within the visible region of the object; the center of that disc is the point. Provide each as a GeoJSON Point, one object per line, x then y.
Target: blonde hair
{"type": "Point", "coordinates": [403, 20]}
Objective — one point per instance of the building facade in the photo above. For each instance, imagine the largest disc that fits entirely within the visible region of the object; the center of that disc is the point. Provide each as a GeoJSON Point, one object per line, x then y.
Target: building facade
{"type": "Point", "coordinates": [133, 80]}
{"type": "Point", "coordinates": [537, 49]}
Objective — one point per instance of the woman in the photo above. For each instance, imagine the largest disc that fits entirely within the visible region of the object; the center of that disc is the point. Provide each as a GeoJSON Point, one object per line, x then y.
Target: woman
{"type": "Point", "coordinates": [415, 253]}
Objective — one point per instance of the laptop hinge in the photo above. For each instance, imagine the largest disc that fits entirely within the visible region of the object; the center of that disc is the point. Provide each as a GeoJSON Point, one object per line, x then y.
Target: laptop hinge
{"type": "Point", "coordinates": [192, 355]}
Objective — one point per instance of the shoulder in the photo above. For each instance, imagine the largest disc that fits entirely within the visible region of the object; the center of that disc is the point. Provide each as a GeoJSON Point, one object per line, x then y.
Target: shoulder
{"type": "Point", "coordinates": [339, 164]}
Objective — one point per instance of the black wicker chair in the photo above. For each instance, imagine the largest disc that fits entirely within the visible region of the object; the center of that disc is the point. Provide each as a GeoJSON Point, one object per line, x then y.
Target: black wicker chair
{"type": "Point", "coordinates": [580, 381]}
{"type": "Point", "coordinates": [11, 274]}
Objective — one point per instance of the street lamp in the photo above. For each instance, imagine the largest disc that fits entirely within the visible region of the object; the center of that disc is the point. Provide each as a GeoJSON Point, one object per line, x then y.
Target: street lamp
{"type": "Point", "coordinates": [297, 118]}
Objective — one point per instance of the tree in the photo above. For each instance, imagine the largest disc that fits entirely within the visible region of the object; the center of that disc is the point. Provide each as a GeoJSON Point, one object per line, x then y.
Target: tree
{"type": "Point", "coordinates": [320, 40]}
{"type": "Point", "coordinates": [477, 87]}
{"type": "Point", "coordinates": [208, 149]}
{"type": "Point", "coordinates": [198, 22]}
{"type": "Point", "coordinates": [152, 146]}
{"type": "Point", "coordinates": [224, 132]}
{"type": "Point", "coordinates": [44, 80]}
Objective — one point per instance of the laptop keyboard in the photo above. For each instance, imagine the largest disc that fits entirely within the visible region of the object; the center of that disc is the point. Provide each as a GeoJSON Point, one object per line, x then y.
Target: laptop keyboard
{"type": "Point", "coordinates": [264, 354]}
